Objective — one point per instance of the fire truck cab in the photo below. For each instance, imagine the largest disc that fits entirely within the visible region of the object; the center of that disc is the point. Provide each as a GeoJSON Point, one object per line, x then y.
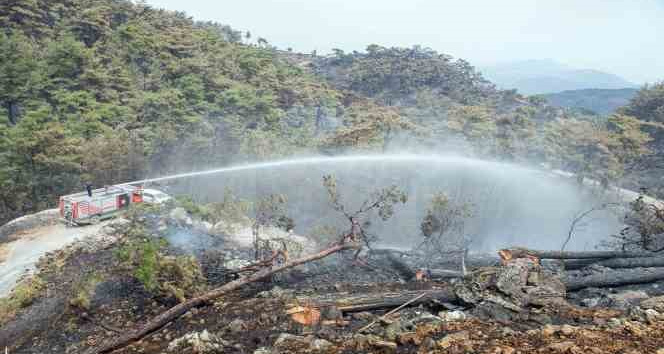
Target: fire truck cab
{"type": "Point", "coordinates": [104, 203]}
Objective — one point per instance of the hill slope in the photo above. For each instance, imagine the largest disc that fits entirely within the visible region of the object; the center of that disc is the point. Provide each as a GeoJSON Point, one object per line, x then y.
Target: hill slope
{"type": "Point", "coordinates": [109, 91]}
{"type": "Point", "coordinates": [600, 101]}
{"type": "Point", "coordinates": [548, 76]}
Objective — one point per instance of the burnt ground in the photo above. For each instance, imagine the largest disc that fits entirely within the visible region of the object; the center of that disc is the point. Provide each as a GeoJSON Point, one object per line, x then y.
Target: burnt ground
{"type": "Point", "coordinates": [254, 319]}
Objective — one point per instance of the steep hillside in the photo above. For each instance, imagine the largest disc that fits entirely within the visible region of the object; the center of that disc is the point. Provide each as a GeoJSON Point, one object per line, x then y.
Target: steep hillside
{"type": "Point", "coordinates": [598, 101]}
{"type": "Point", "coordinates": [449, 106]}
{"type": "Point", "coordinates": [395, 75]}
{"type": "Point", "coordinates": [107, 91]}
{"type": "Point", "coordinates": [648, 106]}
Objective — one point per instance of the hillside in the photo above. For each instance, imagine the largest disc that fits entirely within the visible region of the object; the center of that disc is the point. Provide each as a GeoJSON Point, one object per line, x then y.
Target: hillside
{"type": "Point", "coordinates": [109, 91]}
{"type": "Point", "coordinates": [599, 101]}
{"type": "Point", "coordinates": [548, 76]}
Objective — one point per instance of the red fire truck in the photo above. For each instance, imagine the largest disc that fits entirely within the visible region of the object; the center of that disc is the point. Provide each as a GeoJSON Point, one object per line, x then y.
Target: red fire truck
{"type": "Point", "coordinates": [99, 204]}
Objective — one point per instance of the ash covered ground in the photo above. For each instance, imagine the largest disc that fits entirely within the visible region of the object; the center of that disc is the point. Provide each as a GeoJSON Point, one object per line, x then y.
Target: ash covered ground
{"type": "Point", "coordinates": [516, 307]}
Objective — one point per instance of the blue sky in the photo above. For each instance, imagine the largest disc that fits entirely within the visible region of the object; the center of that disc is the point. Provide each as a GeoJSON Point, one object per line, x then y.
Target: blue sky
{"type": "Point", "coordinates": [624, 37]}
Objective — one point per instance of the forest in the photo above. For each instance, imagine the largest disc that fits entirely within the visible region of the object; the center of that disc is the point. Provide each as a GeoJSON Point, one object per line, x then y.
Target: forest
{"type": "Point", "coordinates": [108, 91]}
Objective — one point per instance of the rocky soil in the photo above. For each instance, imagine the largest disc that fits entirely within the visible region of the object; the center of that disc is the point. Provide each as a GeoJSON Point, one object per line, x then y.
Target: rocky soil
{"type": "Point", "coordinates": [518, 307]}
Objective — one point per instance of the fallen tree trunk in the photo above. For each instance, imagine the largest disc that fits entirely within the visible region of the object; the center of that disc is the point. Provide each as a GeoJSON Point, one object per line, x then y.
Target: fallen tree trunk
{"type": "Point", "coordinates": [379, 301]}
{"type": "Point", "coordinates": [445, 274]}
{"type": "Point", "coordinates": [386, 251]}
{"type": "Point", "coordinates": [617, 263]}
{"type": "Point", "coordinates": [407, 273]}
{"type": "Point", "coordinates": [511, 253]}
{"type": "Point", "coordinates": [180, 309]}
{"type": "Point", "coordinates": [614, 278]}
{"type": "Point", "coordinates": [403, 269]}
{"type": "Point", "coordinates": [472, 262]}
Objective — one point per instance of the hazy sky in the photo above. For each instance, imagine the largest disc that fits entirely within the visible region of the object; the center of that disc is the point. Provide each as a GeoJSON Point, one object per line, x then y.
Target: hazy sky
{"type": "Point", "coordinates": [624, 37]}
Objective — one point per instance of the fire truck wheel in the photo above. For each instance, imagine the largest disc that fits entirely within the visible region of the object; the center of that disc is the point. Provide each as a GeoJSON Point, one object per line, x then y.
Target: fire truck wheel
{"type": "Point", "coordinates": [95, 219]}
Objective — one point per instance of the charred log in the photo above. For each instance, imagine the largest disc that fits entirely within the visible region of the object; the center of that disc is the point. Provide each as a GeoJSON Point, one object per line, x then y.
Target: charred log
{"type": "Point", "coordinates": [445, 274]}
{"type": "Point", "coordinates": [614, 278]}
{"type": "Point", "coordinates": [380, 301]}
{"type": "Point", "coordinates": [617, 263]}
{"type": "Point", "coordinates": [512, 253]}
{"type": "Point", "coordinates": [403, 269]}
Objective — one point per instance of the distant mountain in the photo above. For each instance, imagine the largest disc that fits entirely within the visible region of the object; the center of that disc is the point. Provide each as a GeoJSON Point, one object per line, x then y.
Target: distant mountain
{"type": "Point", "coordinates": [548, 76]}
{"type": "Point", "coordinates": [601, 101]}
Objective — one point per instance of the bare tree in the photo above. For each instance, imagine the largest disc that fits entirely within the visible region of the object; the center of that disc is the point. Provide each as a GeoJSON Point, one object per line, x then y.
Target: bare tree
{"type": "Point", "coordinates": [269, 211]}
{"type": "Point", "coordinates": [578, 221]}
{"type": "Point", "coordinates": [381, 201]}
{"type": "Point", "coordinates": [443, 228]}
{"type": "Point", "coordinates": [645, 226]}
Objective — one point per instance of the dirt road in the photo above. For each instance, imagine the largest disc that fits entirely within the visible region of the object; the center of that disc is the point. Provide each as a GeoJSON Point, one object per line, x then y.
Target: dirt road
{"type": "Point", "coordinates": [19, 256]}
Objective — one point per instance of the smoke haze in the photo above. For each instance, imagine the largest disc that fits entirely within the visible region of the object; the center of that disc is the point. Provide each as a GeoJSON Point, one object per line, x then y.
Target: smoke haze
{"type": "Point", "coordinates": [512, 205]}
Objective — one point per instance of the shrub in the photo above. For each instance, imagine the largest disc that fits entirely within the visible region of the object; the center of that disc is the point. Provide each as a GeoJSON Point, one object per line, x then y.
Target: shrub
{"type": "Point", "coordinates": [194, 209]}
{"type": "Point", "coordinates": [160, 274]}
{"type": "Point", "coordinates": [85, 290]}
{"type": "Point", "coordinates": [22, 296]}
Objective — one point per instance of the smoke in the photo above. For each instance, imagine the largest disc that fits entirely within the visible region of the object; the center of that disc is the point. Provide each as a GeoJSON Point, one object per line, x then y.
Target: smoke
{"type": "Point", "coordinates": [192, 241]}
{"type": "Point", "coordinates": [512, 205]}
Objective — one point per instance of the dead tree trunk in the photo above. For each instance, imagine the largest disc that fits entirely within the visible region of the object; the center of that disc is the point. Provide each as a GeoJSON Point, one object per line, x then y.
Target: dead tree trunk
{"type": "Point", "coordinates": [616, 278]}
{"type": "Point", "coordinates": [378, 301]}
{"type": "Point", "coordinates": [618, 263]}
{"type": "Point", "coordinates": [406, 272]}
{"type": "Point", "coordinates": [446, 274]}
{"type": "Point", "coordinates": [507, 254]}
{"type": "Point", "coordinates": [401, 267]}
{"type": "Point", "coordinates": [180, 309]}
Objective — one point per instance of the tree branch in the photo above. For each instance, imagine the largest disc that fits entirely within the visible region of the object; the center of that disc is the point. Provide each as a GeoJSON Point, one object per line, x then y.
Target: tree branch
{"type": "Point", "coordinates": [575, 222]}
{"type": "Point", "coordinates": [180, 309]}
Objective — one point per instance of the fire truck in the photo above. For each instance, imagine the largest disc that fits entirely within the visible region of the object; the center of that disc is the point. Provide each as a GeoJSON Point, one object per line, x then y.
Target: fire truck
{"type": "Point", "coordinates": [97, 204]}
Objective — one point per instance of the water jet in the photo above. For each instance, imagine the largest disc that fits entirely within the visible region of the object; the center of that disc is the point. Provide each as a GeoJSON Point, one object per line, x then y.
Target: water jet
{"type": "Point", "coordinates": [513, 204]}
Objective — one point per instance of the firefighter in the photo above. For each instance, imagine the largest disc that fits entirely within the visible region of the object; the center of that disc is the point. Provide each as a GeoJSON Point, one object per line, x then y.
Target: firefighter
{"type": "Point", "coordinates": [88, 187]}
{"type": "Point", "coordinates": [355, 230]}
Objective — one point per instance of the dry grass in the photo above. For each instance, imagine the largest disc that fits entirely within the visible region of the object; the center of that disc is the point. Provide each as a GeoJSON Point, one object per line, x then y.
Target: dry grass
{"type": "Point", "coordinates": [22, 296]}
{"type": "Point", "coordinates": [85, 291]}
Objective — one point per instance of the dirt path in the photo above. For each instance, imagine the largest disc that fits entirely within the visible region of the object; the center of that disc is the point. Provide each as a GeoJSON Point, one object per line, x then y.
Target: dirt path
{"type": "Point", "coordinates": [19, 256]}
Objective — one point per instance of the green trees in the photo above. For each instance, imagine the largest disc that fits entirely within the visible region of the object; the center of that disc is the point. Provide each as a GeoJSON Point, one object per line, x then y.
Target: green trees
{"type": "Point", "coordinates": [42, 160]}
{"type": "Point", "coordinates": [108, 91]}
{"type": "Point", "coordinates": [648, 105]}
{"type": "Point", "coordinates": [600, 150]}
{"type": "Point", "coordinates": [473, 123]}
{"type": "Point", "coordinates": [368, 126]}
{"type": "Point", "coordinates": [28, 15]}
{"type": "Point", "coordinates": [579, 147]}
{"type": "Point", "coordinates": [516, 134]}
{"type": "Point", "coordinates": [19, 73]}
{"type": "Point", "coordinates": [393, 74]}
{"type": "Point", "coordinates": [627, 140]}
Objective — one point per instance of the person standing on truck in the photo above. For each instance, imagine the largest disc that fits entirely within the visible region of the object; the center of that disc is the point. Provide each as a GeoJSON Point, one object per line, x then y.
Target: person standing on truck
{"type": "Point", "coordinates": [88, 187]}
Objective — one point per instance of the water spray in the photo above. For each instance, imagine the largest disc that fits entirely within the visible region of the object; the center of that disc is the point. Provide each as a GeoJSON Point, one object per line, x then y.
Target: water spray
{"type": "Point", "coordinates": [439, 159]}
